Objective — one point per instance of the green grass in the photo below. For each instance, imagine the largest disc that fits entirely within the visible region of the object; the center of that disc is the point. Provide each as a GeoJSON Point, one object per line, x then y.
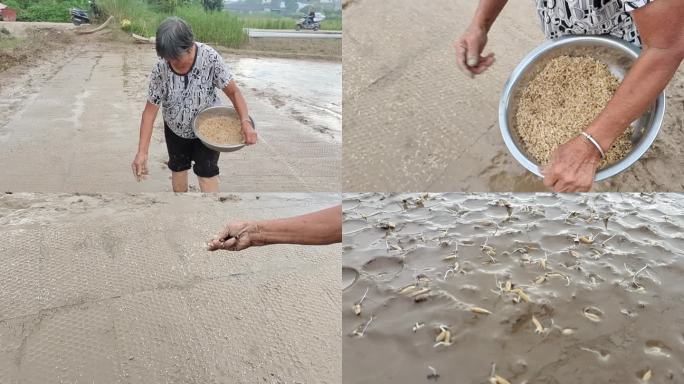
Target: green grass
{"type": "Point", "coordinates": [10, 43]}
{"type": "Point", "coordinates": [45, 10]}
{"type": "Point", "coordinates": [278, 22]}
{"type": "Point", "coordinates": [220, 28]}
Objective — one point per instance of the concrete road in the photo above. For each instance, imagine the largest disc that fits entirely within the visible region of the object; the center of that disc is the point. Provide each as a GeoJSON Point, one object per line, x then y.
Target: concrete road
{"type": "Point", "coordinates": [71, 124]}
{"type": "Point", "coordinates": [414, 122]}
{"type": "Point", "coordinates": [294, 34]}
{"type": "Point", "coordinates": [119, 289]}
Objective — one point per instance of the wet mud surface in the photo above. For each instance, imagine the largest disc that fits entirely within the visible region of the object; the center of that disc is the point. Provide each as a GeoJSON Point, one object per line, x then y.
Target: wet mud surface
{"type": "Point", "coordinates": [542, 288]}
{"type": "Point", "coordinates": [118, 288]}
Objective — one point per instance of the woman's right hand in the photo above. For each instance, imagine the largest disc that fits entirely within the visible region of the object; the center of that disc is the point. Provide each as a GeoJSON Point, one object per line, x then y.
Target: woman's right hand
{"type": "Point", "coordinates": [469, 49]}
{"type": "Point", "coordinates": [139, 166]}
{"type": "Point", "coordinates": [236, 236]}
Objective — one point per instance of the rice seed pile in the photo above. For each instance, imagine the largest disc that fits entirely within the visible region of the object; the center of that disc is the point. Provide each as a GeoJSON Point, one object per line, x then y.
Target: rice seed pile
{"type": "Point", "coordinates": [222, 130]}
{"type": "Point", "coordinates": [561, 101]}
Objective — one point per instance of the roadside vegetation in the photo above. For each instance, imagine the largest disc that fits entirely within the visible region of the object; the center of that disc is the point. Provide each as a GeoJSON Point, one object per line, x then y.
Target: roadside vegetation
{"type": "Point", "coordinates": [209, 22]}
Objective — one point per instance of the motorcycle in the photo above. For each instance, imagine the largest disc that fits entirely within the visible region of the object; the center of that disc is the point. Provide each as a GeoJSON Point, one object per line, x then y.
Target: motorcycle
{"type": "Point", "coordinates": [79, 16]}
{"type": "Point", "coordinates": [306, 23]}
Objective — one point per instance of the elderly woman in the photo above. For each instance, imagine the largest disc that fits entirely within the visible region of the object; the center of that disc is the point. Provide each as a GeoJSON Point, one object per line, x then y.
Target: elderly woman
{"type": "Point", "coordinates": [655, 25]}
{"type": "Point", "coordinates": [183, 82]}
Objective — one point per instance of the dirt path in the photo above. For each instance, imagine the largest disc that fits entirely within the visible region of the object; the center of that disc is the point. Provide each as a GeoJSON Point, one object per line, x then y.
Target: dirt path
{"type": "Point", "coordinates": [413, 122]}
{"type": "Point", "coordinates": [70, 123]}
{"type": "Point", "coordinates": [118, 289]}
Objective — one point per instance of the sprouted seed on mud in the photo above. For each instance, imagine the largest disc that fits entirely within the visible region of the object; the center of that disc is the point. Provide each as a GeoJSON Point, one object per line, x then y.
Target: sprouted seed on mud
{"type": "Point", "coordinates": [222, 130]}
{"type": "Point", "coordinates": [561, 101]}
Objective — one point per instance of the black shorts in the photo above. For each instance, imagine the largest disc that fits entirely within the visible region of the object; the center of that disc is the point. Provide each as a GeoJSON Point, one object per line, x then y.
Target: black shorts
{"type": "Point", "coordinates": [182, 152]}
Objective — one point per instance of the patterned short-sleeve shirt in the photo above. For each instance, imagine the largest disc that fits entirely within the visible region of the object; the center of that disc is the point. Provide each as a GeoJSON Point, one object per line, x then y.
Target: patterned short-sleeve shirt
{"type": "Point", "coordinates": [183, 96]}
{"type": "Point", "coordinates": [590, 17]}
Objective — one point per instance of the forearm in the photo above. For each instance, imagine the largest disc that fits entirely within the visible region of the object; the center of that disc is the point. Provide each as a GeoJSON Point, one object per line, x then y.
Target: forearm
{"type": "Point", "coordinates": [146, 127]}
{"type": "Point", "coordinates": [317, 228]}
{"type": "Point", "coordinates": [239, 103]}
{"type": "Point", "coordinates": [487, 11]}
{"type": "Point", "coordinates": [648, 77]}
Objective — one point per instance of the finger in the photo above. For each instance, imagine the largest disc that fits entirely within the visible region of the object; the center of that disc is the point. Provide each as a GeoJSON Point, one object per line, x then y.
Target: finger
{"type": "Point", "coordinates": [213, 245]}
{"type": "Point", "coordinates": [485, 63]}
{"type": "Point", "coordinates": [230, 244]}
{"type": "Point", "coordinates": [472, 54]}
{"type": "Point", "coordinates": [461, 58]}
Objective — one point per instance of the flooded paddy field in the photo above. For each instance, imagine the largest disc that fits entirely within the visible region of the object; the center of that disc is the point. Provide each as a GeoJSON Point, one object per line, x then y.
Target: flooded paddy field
{"type": "Point", "coordinates": [525, 288]}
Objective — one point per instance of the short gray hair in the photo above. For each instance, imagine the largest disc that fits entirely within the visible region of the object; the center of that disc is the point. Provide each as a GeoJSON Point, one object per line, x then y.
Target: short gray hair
{"type": "Point", "coordinates": [174, 38]}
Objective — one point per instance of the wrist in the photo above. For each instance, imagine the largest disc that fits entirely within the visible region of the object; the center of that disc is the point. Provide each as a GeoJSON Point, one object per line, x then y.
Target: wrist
{"type": "Point", "coordinates": [592, 151]}
{"type": "Point", "coordinates": [479, 26]}
{"type": "Point", "coordinates": [257, 234]}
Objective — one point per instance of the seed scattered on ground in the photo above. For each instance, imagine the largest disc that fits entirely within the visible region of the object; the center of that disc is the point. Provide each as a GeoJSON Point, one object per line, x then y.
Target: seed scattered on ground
{"type": "Point", "coordinates": [444, 337]}
{"type": "Point", "coordinates": [522, 296]}
{"type": "Point", "coordinates": [360, 331]}
{"type": "Point", "coordinates": [480, 311]}
{"type": "Point", "coordinates": [539, 328]}
{"type": "Point", "coordinates": [357, 309]}
{"type": "Point", "coordinates": [433, 375]}
{"type": "Point", "coordinates": [496, 379]}
{"type": "Point", "coordinates": [647, 376]}
{"type": "Point", "coordinates": [419, 292]}
{"type": "Point", "coordinates": [407, 289]}
{"type": "Point", "coordinates": [357, 306]}
{"type": "Point", "coordinates": [592, 313]}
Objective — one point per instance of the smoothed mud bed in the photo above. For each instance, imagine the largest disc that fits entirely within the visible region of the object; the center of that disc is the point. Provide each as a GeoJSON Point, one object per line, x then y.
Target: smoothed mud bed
{"type": "Point", "coordinates": [119, 288]}
{"type": "Point", "coordinates": [602, 275]}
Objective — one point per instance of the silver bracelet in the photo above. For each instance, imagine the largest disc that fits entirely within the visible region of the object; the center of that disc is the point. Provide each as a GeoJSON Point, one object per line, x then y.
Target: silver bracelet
{"type": "Point", "coordinates": [247, 120]}
{"type": "Point", "coordinates": [596, 144]}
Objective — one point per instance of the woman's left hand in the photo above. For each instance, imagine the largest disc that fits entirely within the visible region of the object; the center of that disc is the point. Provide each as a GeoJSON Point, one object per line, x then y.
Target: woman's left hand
{"type": "Point", "coordinates": [573, 166]}
{"type": "Point", "coordinates": [249, 132]}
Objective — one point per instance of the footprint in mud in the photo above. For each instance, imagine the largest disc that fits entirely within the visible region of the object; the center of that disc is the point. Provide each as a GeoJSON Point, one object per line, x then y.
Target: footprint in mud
{"type": "Point", "coordinates": [349, 277]}
{"type": "Point", "coordinates": [384, 266]}
{"type": "Point", "coordinates": [657, 348]}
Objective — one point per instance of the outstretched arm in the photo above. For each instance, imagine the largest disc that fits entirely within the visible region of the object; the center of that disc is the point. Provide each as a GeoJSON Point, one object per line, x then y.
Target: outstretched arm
{"type": "Point", "coordinates": [317, 228]}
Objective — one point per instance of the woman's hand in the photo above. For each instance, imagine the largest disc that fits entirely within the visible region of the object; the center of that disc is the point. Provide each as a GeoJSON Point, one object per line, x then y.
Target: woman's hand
{"type": "Point", "coordinates": [236, 236]}
{"type": "Point", "coordinates": [573, 166]}
{"type": "Point", "coordinates": [139, 166]}
{"type": "Point", "coordinates": [249, 133]}
{"type": "Point", "coordinates": [469, 49]}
